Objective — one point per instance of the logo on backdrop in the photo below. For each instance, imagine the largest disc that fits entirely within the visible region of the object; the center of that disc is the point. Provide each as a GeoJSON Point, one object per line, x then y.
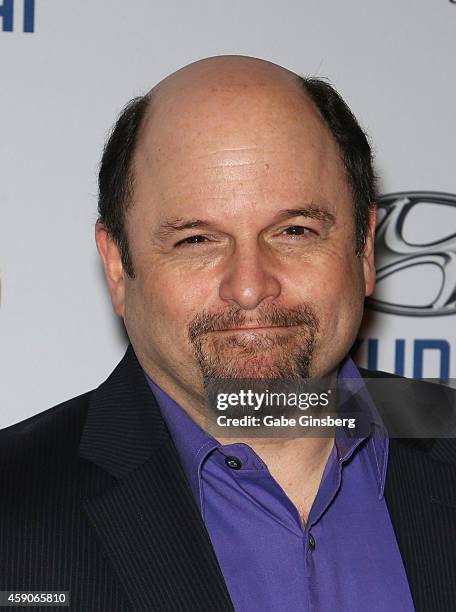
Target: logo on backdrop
{"type": "Point", "coordinates": [416, 280]}
{"type": "Point", "coordinates": [7, 12]}
{"type": "Point", "coordinates": [416, 240]}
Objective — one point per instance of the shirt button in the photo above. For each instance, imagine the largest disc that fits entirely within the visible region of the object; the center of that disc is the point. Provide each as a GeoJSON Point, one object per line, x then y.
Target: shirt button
{"type": "Point", "coordinates": [233, 462]}
{"type": "Point", "coordinates": [311, 542]}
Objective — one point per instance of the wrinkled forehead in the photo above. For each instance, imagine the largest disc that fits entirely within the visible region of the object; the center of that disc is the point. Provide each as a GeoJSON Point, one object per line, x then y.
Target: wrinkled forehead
{"type": "Point", "coordinates": [205, 124]}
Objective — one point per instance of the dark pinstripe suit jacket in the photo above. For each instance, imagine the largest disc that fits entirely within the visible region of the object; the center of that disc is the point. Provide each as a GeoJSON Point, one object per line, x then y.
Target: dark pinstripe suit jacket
{"type": "Point", "coordinates": [94, 501]}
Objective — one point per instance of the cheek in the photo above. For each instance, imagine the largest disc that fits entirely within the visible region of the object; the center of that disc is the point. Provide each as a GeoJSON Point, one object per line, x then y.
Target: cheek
{"type": "Point", "coordinates": [342, 311]}
{"type": "Point", "coordinates": [171, 301]}
{"type": "Point", "coordinates": [335, 289]}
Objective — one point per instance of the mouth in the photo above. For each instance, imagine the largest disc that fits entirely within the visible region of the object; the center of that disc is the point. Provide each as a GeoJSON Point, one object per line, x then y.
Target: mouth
{"type": "Point", "coordinates": [253, 329]}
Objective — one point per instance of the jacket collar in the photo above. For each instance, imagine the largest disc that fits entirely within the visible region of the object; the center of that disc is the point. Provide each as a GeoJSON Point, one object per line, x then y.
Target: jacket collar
{"type": "Point", "coordinates": [123, 403]}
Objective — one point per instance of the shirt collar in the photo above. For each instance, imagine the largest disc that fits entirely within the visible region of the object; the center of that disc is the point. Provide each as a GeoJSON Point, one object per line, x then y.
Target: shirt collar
{"type": "Point", "coordinates": [193, 444]}
{"type": "Point", "coordinates": [349, 379]}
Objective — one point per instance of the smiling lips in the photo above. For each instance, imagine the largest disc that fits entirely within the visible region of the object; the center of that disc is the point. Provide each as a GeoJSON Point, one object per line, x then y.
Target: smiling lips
{"type": "Point", "coordinates": [254, 328]}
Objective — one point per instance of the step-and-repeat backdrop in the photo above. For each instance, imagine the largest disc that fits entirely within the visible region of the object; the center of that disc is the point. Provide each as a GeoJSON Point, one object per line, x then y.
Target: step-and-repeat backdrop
{"type": "Point", "coordinates": [68, 66]}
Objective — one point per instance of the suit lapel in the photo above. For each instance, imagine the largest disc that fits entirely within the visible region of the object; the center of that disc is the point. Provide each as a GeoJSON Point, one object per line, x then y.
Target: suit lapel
{"type": "Point", "coordinates": [420, 496]}
{"type": "Point", "coordinates": [148, 522]}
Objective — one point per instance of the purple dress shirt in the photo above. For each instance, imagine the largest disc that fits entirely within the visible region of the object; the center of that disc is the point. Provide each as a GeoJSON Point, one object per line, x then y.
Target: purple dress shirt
{"type": "Point", "coordinates": [346, 559]}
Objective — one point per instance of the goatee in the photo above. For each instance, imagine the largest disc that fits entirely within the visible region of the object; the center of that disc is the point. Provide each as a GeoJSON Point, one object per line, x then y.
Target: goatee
{"type": "Point", "coordinates": [285, 353]}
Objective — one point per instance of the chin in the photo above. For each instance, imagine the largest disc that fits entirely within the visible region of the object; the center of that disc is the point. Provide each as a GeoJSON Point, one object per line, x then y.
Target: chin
{"type": "Point", "coordinates": [258, 369]}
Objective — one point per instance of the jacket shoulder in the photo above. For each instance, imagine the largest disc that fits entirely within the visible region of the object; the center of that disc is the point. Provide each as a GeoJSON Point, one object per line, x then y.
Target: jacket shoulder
{"type": "Point", "coordinates": [365, 373]}
{"type": "Point", "coordinates": [418, 384]}
{"type": "Point", "coordinates": [419, 413]}
{"type": "Point", "coordinates": [56, 430]}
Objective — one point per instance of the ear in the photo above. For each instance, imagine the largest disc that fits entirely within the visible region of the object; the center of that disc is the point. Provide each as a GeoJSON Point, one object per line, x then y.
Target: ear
{"type": "Point", "coordinates": [113, 269]}
{"type": "Point", "coordinates": [368, 252]}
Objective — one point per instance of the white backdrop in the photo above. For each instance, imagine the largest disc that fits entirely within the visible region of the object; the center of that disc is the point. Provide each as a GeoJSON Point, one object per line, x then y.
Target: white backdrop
{"type": "Point", "coordinates": [64, 83]}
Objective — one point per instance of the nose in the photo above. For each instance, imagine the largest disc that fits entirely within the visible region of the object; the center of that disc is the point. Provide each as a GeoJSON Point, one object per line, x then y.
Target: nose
{"type": "Point", "coordinates": [248, 280]}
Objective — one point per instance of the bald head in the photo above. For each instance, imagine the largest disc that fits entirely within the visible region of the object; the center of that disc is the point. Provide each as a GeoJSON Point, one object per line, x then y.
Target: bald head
{"type": "Point", "coordinates": [222, 98]}
{"type": "Point", "coordinates": [213, 107]}
{"type": "Point", "coordinates": [226, 80]}
{"type": "Point", "coordinates": [226, 72]}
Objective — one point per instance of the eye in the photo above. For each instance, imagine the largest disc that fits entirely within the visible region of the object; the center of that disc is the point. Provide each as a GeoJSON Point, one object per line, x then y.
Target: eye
{"type": "Point", "coordinates": [298, 230]}
{"type": "Point", "coordinates": [197, 239]}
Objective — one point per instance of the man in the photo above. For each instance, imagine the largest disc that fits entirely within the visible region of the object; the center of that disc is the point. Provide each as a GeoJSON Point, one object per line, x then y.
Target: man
{"type": "Point", "coordinates": [236, 232]}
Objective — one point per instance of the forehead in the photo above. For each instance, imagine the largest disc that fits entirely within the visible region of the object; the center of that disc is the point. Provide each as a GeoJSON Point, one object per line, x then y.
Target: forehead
{"type": "Point", "coordinates": [251, 145]}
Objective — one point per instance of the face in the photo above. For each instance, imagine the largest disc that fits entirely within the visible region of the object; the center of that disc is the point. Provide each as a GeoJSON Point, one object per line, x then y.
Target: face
{"type": "Point", "coordinates": [242, 239]}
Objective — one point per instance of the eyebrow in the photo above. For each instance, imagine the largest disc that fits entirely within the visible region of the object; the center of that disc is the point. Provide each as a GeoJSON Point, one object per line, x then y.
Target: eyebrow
{"type": "Point", "coordinates": [174, 225]}
{"type": "Point", "coordinates": [177, 224]}
{"type": "Point", "coordinates": [309, 212]}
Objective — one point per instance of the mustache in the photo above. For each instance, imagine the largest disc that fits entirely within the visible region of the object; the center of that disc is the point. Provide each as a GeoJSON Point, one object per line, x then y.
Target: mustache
{"type": "Point", "coordinates": [206, 322]}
